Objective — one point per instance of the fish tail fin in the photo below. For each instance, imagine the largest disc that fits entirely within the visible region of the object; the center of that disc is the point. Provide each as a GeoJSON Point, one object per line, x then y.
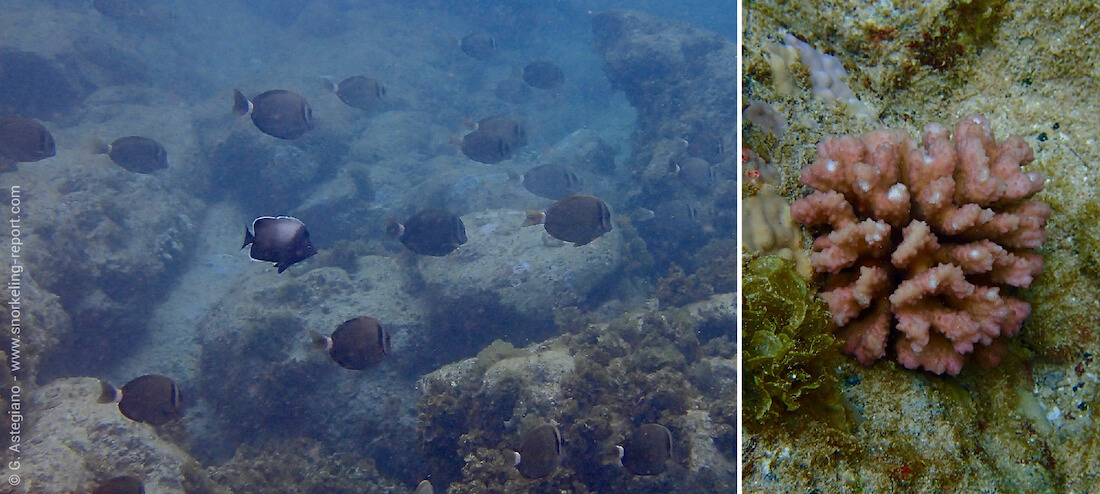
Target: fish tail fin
{"type": "Point", "coordinates": [320, 341]}
{"type": "Point", "coordinates": [241, 105]}
{"type": "Point", "coordinates": [330, 83]}
{"type": "Point", "coordinates": [515, 178]}
{"type": "Point", "coordinates": [393, 228]}
{"type": "Point", "coordinates": [99, 146]}
{"type": "Point", "coordinates": [619, 456]}
{"type": "Point", "coordinates": [248, 238]}
{"type": "Point", "coordinates": [108, 393]}
{"type": "Point", "coordinates": [516, 458]}
{"type": "Point", "coordinates": [534, 217]}
{"type": "Point", "coordinates": [424, 487]}
{"type": "Point", "coordinates": [641, 214]}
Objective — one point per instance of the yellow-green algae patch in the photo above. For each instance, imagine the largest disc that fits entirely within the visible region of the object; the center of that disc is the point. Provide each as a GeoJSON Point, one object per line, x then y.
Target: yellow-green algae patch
{"type": "Point", "coordinates": [788, 346]}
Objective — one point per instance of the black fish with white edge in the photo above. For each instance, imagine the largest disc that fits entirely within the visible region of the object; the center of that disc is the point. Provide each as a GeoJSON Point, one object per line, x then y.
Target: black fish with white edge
{"type": "Point", "coordinates": [357, 344]}
{"type": "Point", "coordinates": [23, 140]}
{"type": "Point", "coordinates": [647, 450]}
{"type": "Point", "coordinates": [135, 153]}
{"type": "Point", "coordinates": [481, 46]}
{"type": "Point", "coordinates": [121, 485]}
{"type": "Point", "coordinates": [430, 232]}
{"type": "Point", "coordinates": [496, 139]}
{"type": "Point", "coordinates": [360, 92]}
{"type": "Point", "coordinates": [540, 452]}
{"type": "Point", "coordinates": [277, 113]}
{"type": "Point", "coordinates": [551, 181]}
{"type": "Point", "coordinates": [543, 74]}
{"type": "Point", "coordinates": [579, 219]}
{"type": "Point", "coordinates": [279, 239]}
{"type": "Point", "coordinates": [150, 399]}
{"type": "Point", "coordinates": [695, 173]}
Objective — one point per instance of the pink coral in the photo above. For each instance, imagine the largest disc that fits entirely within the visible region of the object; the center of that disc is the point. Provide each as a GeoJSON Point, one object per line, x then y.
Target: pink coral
{"type": "Point", "coordinates": [925, 241]}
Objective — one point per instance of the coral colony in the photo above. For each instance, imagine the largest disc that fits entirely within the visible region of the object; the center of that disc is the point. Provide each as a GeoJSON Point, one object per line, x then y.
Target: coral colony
{"type": "Point", "coordinates": [929, 235]}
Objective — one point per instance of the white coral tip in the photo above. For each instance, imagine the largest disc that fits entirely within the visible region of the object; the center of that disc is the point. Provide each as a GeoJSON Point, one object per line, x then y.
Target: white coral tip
{"type": "Point", "coordinates": [896, 193]}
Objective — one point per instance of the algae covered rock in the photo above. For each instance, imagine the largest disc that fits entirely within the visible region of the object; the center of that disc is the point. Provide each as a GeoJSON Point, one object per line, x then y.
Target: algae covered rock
{"type": "Point", "coordinates": [78, 442]}
{"type": "Point", "coordinates": [597, 383]}
{"type": "Point", "coordinates": [256, 350]}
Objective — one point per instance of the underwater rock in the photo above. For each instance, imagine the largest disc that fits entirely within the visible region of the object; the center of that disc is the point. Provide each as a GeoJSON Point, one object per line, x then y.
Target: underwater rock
{"type": "Point", "coordinates": [78, 441]}
{"type": "Point", "coordinates": [259, 336]}
{"type": "Point", "coordinates": [35, 87]}
{"type": "Point", "coordinates": [682, 81]}
{"type": "Point", "coordinates": [597, 383]}
{"type": "Point", "coordinates": [43, 314]}
{"type": "Point", "coordinates": [523, 273]}
{"type": "Point", "coordinates": [582, 151]}
{"type": "Point", "coordinates": [263, 173]}
{"type": "Point", "coordinates": [109, 249]}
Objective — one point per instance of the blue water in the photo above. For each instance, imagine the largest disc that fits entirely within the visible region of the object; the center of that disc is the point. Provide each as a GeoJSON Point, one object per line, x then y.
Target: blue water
{"type": "Point", "coordinates": [150, 277]}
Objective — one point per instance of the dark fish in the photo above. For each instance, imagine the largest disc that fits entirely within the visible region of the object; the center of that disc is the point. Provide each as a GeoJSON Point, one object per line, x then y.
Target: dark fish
{"type": "Point", "coordinates": [481, 46]}
{"type": "Point", "coordinates": [282, 240]}
{"type": "Point", "coordinates": [150, 399]}
{"type": "Point", "coordinates": [424, 487]}
{"type": "Point", "coordinates": [431, 232]}
{"type": "Point", "coordinates": [647, 450]}
{"type": "Point", "coordinates": [496, 139]}
{"type": "Point", "coordinates": [551, 181]}
{"type": "Point", "coordinates": [540, 452]}
{"type": "Point", "coordinates": [136, 154]}
{"type": "Point", "coordinates": [278, 112]}
{"type": "Point", "coordinates": [676, 214]}
{"type": "Point", "coordinates": [357, 344]}
{"type": "Point", "coordinates": [24, 140]}
{"type": "Point", "coordinates": [361, 92]}
{"type": "Point", "coordinates": [542, 74]}
{"type": "Point", "coordinates": [695, 173]}
{"type": "Point", "coordinates": [486, 148]}
{"type": "Point", "coordinates": [706, 145]}
{"type": "Point", "coordinates": [504, 126]}
{"type": "Point", "coordinates": [579, 219]}
{"type": "Point", "coordinates": [121, 485]}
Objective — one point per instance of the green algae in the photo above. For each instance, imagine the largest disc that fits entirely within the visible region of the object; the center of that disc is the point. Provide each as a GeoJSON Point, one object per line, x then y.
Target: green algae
{"type": "Point", "coordinates": [1087, 234]}
{"type": "Point", "coordinates": [789, 348]}
{"type": "Point", "coordinates": [496, 351]}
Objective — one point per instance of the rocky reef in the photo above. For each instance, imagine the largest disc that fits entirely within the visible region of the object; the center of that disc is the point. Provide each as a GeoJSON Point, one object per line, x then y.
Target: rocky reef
{"type": "Point", "coordinates": [597, 382]}
{"type": "Point", "coordinates": [679, 79]}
